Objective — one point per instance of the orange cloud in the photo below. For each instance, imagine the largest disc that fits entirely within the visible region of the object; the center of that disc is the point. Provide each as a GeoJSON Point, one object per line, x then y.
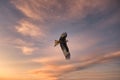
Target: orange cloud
{"type": "Point", "coordinates": [48, 61]}
{"type": "Point", "coordinates": [55, 10]}
{"type": "Point", "coordinates": [22, 42]}
{"type": "Point", "coordinates": [111, 56]}
{"type": "Point", "coordinates": [17, 78]}
{"type": "Point", "coordinates": [55, 71]}
{"type": "Point", "coordinates": [26, 47]}
{"type": "Point", "coordinates": [28, 29]}
{"type": "Point", "coordinates": [27, 50]}
{"type": "Point", "coordinates": [24, 6]}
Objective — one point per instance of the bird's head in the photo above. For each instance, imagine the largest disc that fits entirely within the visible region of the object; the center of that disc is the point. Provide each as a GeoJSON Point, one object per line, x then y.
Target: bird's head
{"type": "Point", "coordinates": [64, 34]}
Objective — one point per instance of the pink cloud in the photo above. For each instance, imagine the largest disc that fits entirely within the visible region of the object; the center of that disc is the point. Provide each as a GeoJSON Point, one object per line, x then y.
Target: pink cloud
{"type": "Point", "coordinates": [28, 29]}
{"type": "Point", "coordinates": [55, 71]}
{"type": "Point", "coordinates": [26, 47]}
{"type": "Point", "coordinates": [57, 10]}
{"type": "Point", "coordinates": [27, 50]}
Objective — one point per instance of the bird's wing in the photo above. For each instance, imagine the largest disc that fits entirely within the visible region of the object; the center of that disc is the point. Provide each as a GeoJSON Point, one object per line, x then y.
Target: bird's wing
{"type": "Point", "coordinates": [63, 44]}
{"type": "Point", "coordinates": [65, 50]}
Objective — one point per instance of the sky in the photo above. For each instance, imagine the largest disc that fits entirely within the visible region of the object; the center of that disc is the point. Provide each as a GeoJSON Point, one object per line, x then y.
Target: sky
{"type": "Point", "coordinates": [28, 29]}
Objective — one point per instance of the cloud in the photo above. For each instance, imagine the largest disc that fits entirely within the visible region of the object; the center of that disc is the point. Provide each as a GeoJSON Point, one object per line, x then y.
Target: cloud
{"type": "Point", "coordinates": [57, 10]}
{"type": "Point", "coordinates": [22, 42]}
{"type": "Point", "coordinates": [26, 47]}
{"type": "Point", "coordinates": [93, 61]}
{"type": "Point", "coordinates": [18, 78]}
{"type": "Point", "coordinates": [50, 60]}
{"type": "Point", "coordinates": [55, 71]}
{"type": "Point", "coordinates": [111, 56]}
{"type": "Point", "coordinates": [28, 29]}
{"type": "Point", "coordinates": [27, 50]}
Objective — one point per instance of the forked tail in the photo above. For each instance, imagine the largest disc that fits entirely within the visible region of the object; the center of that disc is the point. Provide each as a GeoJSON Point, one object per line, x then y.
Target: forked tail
{"type": "Point", "coordinates": [56, 42]}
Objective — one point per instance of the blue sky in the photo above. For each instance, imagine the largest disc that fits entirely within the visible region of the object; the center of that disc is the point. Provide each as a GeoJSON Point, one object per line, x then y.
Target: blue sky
{"type": "Point", "coordinates": [28, 29]}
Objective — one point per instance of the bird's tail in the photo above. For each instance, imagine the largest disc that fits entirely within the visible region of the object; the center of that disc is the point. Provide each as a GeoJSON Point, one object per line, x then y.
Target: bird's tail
{"type": "Point", "coordinates": [56, 42]}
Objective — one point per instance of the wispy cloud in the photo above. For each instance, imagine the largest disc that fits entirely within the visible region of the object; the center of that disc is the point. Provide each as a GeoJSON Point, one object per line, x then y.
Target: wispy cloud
{"type": "Point", "coordinates": [37, 18]}
{"type": "Point", "coordinates": [55, 10]}
{"type": "Point", "coordinates": [55, 71]}
{"type": "Point", "coordinates": [28, 29]}
{"type": "Point", "coordinates": [27, 50]}
{"type": "Point", "coordinates": [26, 47]}
{"type": "Point", "coordinates": [22, 42]}
{"type": "Point", "coordinates": [50, 60]}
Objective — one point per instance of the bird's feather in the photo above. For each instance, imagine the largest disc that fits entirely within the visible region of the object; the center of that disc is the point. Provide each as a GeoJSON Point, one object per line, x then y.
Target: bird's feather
{"type": "Point", "coordinates": [64, 47]}
{"type": "Point", "coordinates": [63, 44]}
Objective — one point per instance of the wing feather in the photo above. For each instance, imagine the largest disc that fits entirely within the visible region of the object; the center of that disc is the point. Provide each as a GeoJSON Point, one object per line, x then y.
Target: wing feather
{"type": "Point", "coordinates": [63, 45]}
{"type": "Point", "coordinates": [65, 50]}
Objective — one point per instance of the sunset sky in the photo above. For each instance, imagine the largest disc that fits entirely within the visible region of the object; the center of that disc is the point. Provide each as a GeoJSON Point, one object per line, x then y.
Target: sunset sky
{"type": "Point", "coordinates": [28, 29]}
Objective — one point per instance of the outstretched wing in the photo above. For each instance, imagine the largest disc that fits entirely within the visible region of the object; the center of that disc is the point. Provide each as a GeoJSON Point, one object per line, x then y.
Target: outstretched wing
{"type": "Point", "coordinates": [64, 47]}
{"type": "Point", "coordinates": [65, 50]}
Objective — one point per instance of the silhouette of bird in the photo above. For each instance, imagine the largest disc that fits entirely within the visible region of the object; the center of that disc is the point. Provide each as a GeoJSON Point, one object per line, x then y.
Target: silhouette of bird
{"type": "Point", "coordinates": [63, 44]}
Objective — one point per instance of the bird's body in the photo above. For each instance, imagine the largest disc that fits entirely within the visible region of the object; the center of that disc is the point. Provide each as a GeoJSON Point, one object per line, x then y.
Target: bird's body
{"type": "Point", "coordinates": [63, 44]}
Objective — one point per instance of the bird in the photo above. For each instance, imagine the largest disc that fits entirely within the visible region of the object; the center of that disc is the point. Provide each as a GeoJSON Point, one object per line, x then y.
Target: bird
{"type": "Point", "coordinates": [63, 44]}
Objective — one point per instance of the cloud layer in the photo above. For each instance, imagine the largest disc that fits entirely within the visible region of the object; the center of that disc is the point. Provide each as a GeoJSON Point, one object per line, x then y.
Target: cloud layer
{"type": "Point", "coordinates": [28, 29]}
{"type": "Point", "coordinates": [56, 9]}
{"type": "Point", "coordinates": [54, 71]}
{"type": "Point", "coordinates": [31, 26]}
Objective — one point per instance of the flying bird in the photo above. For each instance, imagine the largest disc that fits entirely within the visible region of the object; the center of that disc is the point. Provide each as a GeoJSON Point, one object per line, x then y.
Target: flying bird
{"type": "Point", "coordinates": [63, 44]}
